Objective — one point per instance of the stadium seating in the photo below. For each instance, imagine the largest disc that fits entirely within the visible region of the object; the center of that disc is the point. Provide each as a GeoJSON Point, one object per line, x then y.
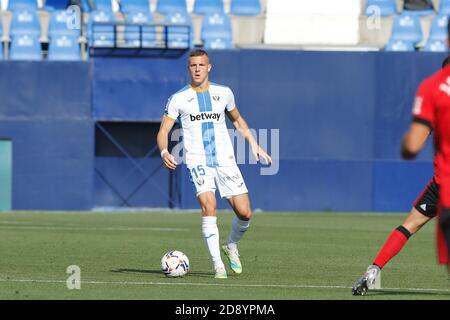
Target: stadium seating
{"type": "Point", "coordinates": [64, 47]}
{"type": "Point", "coordinates": [167, 6]}
{"type": "Point", "coordinates": [25, 47]}
{"type": "Point", "coordinates": [444, 7]}
{"type": "Point", "coordinates": [103, 5]}
{"type": "Point", "coordinates": [137, 30]}
{"type": "Point", "coordinates": [381, 7]}
{"type": "Point", "coordinates": [60, 24]}
{"type": "Point", "coordinates": [134, 6]}
{"type": "Point", "coordinates": [179, 36]}
{"type": "Point", "coordinates": [25, 31]}
{"type": "Point", "coordinates": [399, 45]}
{"type": "Point", "coordinates": [25, 21]}
{"type": "Point", "coordinates": [438, 30]}
{"type": "Point", "coordinates": [51, 5]}
{"type": "Point", "coordinates": [245, 7]}
{"type": "Point", "coordinates": [407, 28]}
{"type": "Point", "coordinates": [203, 7]}
{"type": "Point", "coordinates": [13, 5]}
{"type": "Point", "coordinates": [216, 30]}
{"type": "Point", "coordinates": [101, 35]}
{"type": "Point", "coordinates": [436, 46]}
{"type": "Point", "coordinates": [217, 43]}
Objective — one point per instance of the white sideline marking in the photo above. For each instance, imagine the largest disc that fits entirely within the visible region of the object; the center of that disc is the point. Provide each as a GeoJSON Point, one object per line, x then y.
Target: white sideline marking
{"type": "Point", "coordinates": [221, 285]}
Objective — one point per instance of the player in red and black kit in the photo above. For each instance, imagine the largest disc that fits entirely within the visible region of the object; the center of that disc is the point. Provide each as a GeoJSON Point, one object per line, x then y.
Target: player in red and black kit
{"type": "Point", "coordinates": [425, 119]}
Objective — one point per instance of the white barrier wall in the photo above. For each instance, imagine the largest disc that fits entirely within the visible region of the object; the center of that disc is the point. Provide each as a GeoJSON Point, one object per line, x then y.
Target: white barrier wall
{"type": "Point", "coordinates": [298, 22]}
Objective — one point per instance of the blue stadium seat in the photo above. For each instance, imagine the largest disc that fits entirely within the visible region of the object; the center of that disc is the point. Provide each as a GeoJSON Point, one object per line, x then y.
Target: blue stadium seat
{"type": "Point", "coordinates": [103, 5]}
{"type": "Point", "coordinates": [179, 36]}
{"type": "Point", "coordinates": [61, 24]}
{"type": "Point", "coordinates": [25, 47]}
{"type": "Point", "coordinates": [381, 7]}
{"type": "Point", "coordinates": [436, 46]}
{"type": "Point", "coordinates": [51, 5]}
{"type": "Point", "coordinates": [25, 21]}
{"type": "Point", "coordinates": [216, 28]}
{"type": "Point", "coordinates": [203, 7]}
{"type": "Point", "coordinates": [64, 47]}
{"type": "Point", "coordinates": [134, 6]}
{"type": "Point", "coordinates": [407, 28]}
{"type": "Point", "coordinates": [218, 43]}
{"type": "Point", "coordinates": [136, 24]}
{"type": "Point", "coordinates": [13, 5]}
{"type": "Point", "coordinates": [167, 6]}
{"type": "Point", "coordinates": [245, 7]}
{"type": "Point", "coordinates": [438, 29]}
{"type": "Point", "coordinates": [399, 45]}
{"type": "Point", "coordinates": [444, 7]}
{"type": "Point", "coordinates": [101, 35]}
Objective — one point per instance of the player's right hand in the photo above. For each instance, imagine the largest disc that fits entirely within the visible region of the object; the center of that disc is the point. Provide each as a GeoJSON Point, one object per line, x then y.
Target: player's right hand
{"type": "Point", "coordinates": [169, 161]}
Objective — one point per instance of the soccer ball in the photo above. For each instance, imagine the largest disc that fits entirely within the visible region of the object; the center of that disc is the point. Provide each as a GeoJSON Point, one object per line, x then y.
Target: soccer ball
{"type": "Point", "coordinates": [175, 264]}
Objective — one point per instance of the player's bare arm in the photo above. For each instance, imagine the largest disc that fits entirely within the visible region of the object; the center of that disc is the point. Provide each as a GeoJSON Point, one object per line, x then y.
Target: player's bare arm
{"type": "Point", "coordinates": [414, 140]}
{"type": "Point", "coordinates": [162, 140]}
{"type": "Point", "coordinates": [241, 125]}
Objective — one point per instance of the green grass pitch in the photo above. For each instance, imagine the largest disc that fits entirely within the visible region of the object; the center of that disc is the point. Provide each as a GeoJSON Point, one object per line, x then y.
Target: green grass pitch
{"type": "Point", "coordinates": [284, 256]}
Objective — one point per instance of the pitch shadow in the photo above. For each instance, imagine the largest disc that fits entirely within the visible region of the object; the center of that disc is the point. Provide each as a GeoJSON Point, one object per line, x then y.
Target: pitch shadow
{"type": "Point", "coordinates": [191, 273]}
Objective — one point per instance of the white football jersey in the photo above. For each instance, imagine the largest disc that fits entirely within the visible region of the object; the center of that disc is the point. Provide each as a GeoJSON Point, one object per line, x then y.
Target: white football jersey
{"type": "Point", "coordinates": [202, 114]}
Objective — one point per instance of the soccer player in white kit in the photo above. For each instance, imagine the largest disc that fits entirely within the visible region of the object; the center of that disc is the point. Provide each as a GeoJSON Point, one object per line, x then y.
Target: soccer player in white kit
{"type": "Point", "coordinates": [201, 107]}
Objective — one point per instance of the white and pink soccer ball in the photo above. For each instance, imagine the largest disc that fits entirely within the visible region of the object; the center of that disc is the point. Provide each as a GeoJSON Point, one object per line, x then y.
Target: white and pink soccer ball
{"type": "Point", "coordinates": [175, 264]}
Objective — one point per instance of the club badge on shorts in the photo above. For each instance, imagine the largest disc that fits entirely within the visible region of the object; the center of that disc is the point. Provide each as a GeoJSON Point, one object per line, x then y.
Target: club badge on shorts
{"type": "Point", "coordinates": [200, 181]}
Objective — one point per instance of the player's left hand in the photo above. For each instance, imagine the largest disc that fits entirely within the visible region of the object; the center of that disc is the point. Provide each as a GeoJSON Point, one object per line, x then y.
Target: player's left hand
{"type": "Point", "coordinates": [259, 152]}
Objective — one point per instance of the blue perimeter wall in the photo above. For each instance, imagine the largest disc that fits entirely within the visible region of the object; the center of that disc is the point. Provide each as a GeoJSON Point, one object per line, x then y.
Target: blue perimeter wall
{"type": "Point", "coordinates": [341, 117]}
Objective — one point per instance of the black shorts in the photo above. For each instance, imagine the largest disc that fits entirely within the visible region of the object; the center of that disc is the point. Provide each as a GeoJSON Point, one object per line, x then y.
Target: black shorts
{"type": "Point", "coordinates": [428, 200]}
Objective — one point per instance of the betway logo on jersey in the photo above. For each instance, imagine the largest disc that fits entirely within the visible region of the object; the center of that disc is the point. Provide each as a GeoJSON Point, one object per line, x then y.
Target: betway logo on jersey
{"type": "Point", "coordinates": [205, 116]}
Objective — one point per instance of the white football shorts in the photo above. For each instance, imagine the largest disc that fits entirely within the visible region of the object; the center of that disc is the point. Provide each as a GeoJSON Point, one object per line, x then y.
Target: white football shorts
{"type": "Point", "coordinates": [228, 180]}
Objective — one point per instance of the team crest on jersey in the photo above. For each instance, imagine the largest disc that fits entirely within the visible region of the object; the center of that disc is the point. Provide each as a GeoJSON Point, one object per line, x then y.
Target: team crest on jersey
{"type": "Point", "coordinates": [200, 181]}
{"type": "Point", "coordinates": [216, 97]}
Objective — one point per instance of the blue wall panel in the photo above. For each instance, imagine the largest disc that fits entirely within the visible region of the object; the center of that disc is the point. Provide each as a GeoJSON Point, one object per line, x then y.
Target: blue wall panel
{"type": "Point", "coordinates": [52, 164]}
{"type": "Point", "coordinates": [321, 113]}
{"type": "Point", "coordinates": [135, 89]}
{"type": "Point", "coordinates": [46, 112]}
{"type": "Point", "coordinates": [397, 184]}
{"type": "Point", "coordinates": [341, 117]}
{"type": "Point", "coordinates": [44, 90]}
{"type": "Point", "coordinates": [118, 183]}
